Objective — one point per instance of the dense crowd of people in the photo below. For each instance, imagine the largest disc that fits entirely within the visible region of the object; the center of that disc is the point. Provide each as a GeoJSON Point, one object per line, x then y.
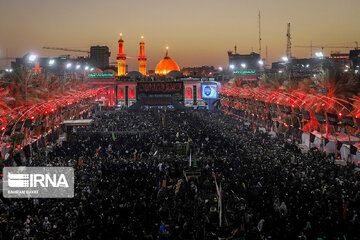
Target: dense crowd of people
{"type": "Point", "coordinates": [127, 170]}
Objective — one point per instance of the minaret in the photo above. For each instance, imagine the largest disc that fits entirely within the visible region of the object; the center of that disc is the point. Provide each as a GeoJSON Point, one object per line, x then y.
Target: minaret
{"type": "Point", "coordinates": [121, 58]}
{"type": "Point", "coordinates": [142, 58]}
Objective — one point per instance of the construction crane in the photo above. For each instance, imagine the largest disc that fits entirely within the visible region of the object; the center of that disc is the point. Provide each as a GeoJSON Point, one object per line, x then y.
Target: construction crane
{"type": "Point", "coordinates": [67, 49]}
{"type": "Point", "coordinates": [322, 47]}
{"type": "Point", "coordinates": [288, 45]}
{"type": "Point", "coordinates": [260, 34]}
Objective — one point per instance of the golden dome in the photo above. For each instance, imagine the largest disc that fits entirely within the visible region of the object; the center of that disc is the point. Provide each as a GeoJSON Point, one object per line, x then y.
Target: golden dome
{"type": "Point", "coordinates": [166, 65]}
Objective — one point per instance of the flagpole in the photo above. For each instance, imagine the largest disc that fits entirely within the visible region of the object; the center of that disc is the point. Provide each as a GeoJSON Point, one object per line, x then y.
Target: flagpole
{"type": "Point", "coordinates": [190, 159]}
{"type": "Point", "coordinates": [336, 150]}
{"type": "Point", "coordinates": [218, 193]}
{"type": "Point", "coordinates": [220, 206]}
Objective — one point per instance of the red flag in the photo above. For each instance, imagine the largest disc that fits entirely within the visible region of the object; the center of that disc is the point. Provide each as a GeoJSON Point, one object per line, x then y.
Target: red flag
{"type": "Point", "coordinates": [97, 151]}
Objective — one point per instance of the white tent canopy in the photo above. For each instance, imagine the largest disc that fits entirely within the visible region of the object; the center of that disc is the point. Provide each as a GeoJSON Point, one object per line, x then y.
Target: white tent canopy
{"type": "Point", "coordinates": [78, 122]}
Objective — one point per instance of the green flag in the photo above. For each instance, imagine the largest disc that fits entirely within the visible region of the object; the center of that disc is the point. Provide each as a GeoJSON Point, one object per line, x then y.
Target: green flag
{"type": "Point", "coordinates": [113, 136]}
{"type": "Point", "coordinates": [194, 161]}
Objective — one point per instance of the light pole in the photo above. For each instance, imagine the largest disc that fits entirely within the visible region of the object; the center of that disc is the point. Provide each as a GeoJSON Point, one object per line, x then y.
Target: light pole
{"type": "Point", "coordinates": [261, 73]}
{"type": "Point", "coordinates": [320, 56]}
{"type": "Point", "coordinates": [287, 68]}
{"type": "Point", "coordinates": [31, 59]}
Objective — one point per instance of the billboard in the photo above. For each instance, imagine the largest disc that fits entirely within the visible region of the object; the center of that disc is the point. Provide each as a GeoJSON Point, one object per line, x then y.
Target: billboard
{"type": "Point", "coordinates": [160, 87]}
{"type": "Point", "coordinates": [209, 90]}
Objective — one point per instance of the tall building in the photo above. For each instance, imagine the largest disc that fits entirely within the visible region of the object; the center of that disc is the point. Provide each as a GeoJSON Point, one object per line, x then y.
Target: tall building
{"type": "Point", "coordinates": [340, 61]}
{"type": "Point", "coordinates": [241, 61]}
{"type": "Point", "coordinates": [354, 56]}
{"type": "Point", "coordinates": [99, 56]}
{"type": "Point", "coordinates": [142, 58]}
{"type": "Point", "coordinates": [121, 58]}
{"type": "Point", "coordinates": [199, 71]}
{"type": "Point", "coordinates": [247, 68]}
{"type": "Point", "coordinates": [56, 65]}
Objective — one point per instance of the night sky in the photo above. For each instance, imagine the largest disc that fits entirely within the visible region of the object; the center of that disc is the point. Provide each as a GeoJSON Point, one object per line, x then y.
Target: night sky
{"type": "Point", "coordinates": [198, 32]}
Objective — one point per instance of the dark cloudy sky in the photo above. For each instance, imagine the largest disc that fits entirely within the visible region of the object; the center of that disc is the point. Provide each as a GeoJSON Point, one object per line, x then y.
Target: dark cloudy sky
{"type": "Point", "coordinates": [198, 32]}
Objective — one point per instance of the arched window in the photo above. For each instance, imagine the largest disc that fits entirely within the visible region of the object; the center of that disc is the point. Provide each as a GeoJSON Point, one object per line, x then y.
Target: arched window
{"type": "Point", "coordinates": [121, 93]}
{"type": "Point", "coordinates": [188, 92]}
{"type": "Point", "coordinates": [131, 92]}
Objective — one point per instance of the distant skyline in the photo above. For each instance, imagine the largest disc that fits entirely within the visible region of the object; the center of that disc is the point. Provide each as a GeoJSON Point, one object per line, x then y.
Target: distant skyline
{"type": "Point", "coordinates": [198, 32]}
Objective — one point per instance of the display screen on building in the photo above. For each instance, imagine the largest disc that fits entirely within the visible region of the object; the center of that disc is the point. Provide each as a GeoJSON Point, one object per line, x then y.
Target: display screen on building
{"type": "Point", "coordinates": [160, 87]}
{"type": "Point", "coordinates": [209, 90]}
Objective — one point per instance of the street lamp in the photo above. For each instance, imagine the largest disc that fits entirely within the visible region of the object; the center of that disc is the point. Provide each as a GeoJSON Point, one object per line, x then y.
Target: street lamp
{"type": "Point", "coordinates": [78, 66]}
{"type": "Point", "coordinates": [232, 66]}
{"type": "Point", "coordinates": [243, 65]}
{"type": "Point", "coordinates": [68, 65]}
{"type": "Point", "coordinates": [32, 57]}
{"type": "Point", "coordinates": [319, 54]}
{"type": "Point", "coordinates": [220, 68]}
{"type": "Point", "coordinates": [51, 62]}
{"type": "Point", "coordinates": [261, 62]}
{"type": "Point", "coordinates": [288, 68]}
{"type": "Point", "coordinates": [86, 68]}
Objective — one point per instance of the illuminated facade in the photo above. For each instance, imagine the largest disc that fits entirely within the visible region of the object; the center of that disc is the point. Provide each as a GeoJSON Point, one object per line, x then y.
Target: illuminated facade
{"type": "Point", "coordinates": [124, 89]}
{"type": "Point", "coordinates": [121, 58]}
{"type": "Point", "coordinates": [142, 58]}
{"type": "Point", "coordinates": [166, 65]}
